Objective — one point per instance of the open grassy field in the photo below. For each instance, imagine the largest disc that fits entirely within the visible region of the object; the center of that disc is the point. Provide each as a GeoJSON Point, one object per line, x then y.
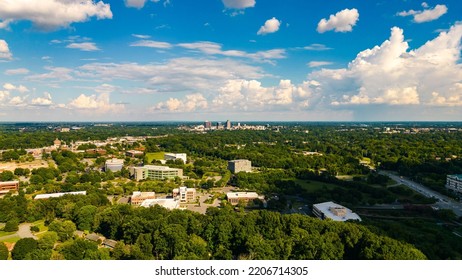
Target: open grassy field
{"type": "Point", "coordinates": [155, 156]}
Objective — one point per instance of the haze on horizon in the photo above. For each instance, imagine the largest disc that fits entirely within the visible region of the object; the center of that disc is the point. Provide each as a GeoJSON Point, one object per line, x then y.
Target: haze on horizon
{"type": "Point", "coordinates": [242, 60]}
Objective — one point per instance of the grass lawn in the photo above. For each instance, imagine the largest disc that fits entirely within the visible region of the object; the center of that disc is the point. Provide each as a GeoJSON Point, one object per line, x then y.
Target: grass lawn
{"type": "Point", "coordinates": [5, 233]}
{"type": "Point", "coordinates": [312, 186]}
{"type": "Point", "coordinates": [40, 224]}
{"type": "Point", "coordinates": [155, 156]}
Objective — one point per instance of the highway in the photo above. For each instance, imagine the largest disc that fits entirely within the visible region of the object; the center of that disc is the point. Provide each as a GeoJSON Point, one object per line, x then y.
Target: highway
{"type": "Point", "coordinates": [443, 202]}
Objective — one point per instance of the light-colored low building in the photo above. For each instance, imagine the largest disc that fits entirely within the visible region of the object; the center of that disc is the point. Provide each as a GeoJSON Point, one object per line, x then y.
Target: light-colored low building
{"type": "Point", "coordinates": [114, 164]}
{"type": "Point", "coordinates": [137, 198]}
{"type": "Point", "coordinates": [173, 156]}
{"type": "Point", "coordinates": [156, 172]}
{"type": "Point", "coordinates": [50, 195]}
{"type": "Point", "coordinates": [168, 203]}
{"type": "Point", "coordinates": [235, 197]}
{"type": "Point", "coordinates": [9, 186]}
{"type": "Point", "coordinates": [334, 211]}
{"type": "Point", "coordinates": [185, 194]}
{"type": "Point", "coordinates": [239, 165]}
{"type": "Point", "coordinates": [454, 182]}
{"type": "Point", "coordinates": [134, 153]}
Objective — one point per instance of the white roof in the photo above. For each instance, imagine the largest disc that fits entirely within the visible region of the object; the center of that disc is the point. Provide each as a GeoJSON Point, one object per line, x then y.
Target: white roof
{"type": "Point", "coordinates": [115, 161]}
{"type": "Point", "coordinates": [242, 194]}
{"type": "Point", "coordinates": [158, 167]}
{"type": "Point", "coordinates": [326, 207]}
{"type": "Point", "coordinates": [49, 195]}
{"type": "Point", "coordinates": [9, 183]}
{"type": "Point", "coordinates": [168, 203]}
{"type": "Point", "coordinates": [143, 194]}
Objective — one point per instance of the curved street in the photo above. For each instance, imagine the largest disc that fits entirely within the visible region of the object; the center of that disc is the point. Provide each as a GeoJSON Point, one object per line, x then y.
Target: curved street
{"type": "Point", "coordinates": [443, 202]}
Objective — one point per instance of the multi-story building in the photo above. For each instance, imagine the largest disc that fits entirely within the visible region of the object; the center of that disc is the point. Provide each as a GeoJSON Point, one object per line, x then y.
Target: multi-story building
{"type": "Point", "coordinates": [9, 186]}
{"type": "Point", "coordinates": [207, 125]}
{"type": "Point", "coordinates": [240, 165]}
{"type": "Point", "coordinates": [137, 198]}
{"type": "Point", "coordinates": [228, 125]}
{"type": "Point", "coordinates": [172, 156]}
{"type": "Point", "coordinates": [235, 197]}
{"type": "Point", "coordinates": [454, 183]}
{"type": "Point", "coordinates": [333, 211]}
{"type": "Point", "coordinates": [156, 172]}
{"type": "Point", "coordinates": [134, 153]}
{"type": "Point", "coordinates": [185, 194]}
{"type": "Point", "coordinates": [114, 164]}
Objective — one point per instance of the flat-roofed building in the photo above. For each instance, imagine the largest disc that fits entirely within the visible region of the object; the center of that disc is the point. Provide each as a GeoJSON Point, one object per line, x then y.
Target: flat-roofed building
{"type": "Point", "coordinates": [9, 186]}
{"type": "Point", "coordinates": [137, 198]}
{"type": "Point", "coordinates": [334, 211]}
{"type": "Point", "coordinates": [454, 183]}
{"type": "Point", "coordinates": [185, 194]}
{"type": "Point", "coordinates": [156, 172]}
{"type": "Point", "coordinates": [134, 153]}
{"type": "Point", "coordinates": [114, 164]}
{"type": "Point", "coordinates": [168, 203]}
{"type": "Point", "coordinates": [239, 165]}
{"type": "Point", "coordinates": [50, 195]}
{"type": "Point", "coordinates": [246, 197]}
{"type": "Point", "coordinates": [173, 156]}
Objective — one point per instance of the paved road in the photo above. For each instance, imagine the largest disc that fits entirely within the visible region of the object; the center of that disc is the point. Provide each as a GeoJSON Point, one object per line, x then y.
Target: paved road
{"type": "Point", "coordinates": [23, 232]}
{"type": "Point", "coordinates": [443, 202]}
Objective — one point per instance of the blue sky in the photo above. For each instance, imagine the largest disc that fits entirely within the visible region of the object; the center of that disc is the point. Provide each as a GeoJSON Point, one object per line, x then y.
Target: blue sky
{"type": "Point", "coordinates": [155, 60]}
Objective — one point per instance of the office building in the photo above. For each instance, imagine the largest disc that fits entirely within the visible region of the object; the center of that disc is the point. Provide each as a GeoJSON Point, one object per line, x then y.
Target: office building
{"type": "Point", "coordinates": [137, 198]}
{"type": "Point", "coordinates": [235, 197]}
{"type": "Point", "coordinates": [9, 186]}
{"type": "Point", "coordinates": [333, 211]}
{"type": "Point", "coordinates": [172, 156]}
{"type": "Point", "coordinates": [156, 172]}
{"type": "Point", "coordinates": [239, 165]}
{"type": "Point", "coordinates": [454, 183]}
{"type": "Point", "coordinates": [207, 125]}
{"type": "Point", "coordinates": [114, 164]}
{"type": "Point", "coordinates": [228, 125]}
{"type": "Point", "coordinates": [185, 194]}
{"type": "Point", "coordinates": [51, 195]}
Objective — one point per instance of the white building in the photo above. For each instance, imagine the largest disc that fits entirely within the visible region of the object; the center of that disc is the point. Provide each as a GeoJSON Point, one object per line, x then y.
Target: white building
{"type": "Point", "coordinates": [172, 156]}
{"type": "Point", "coordinates": [235, 197]}
{"type": "Point", "coordinates": [454, 182]}
{"type": "Point", "coordinates": [50, 195]}
{"type": "Point", "coordinates": [185, 194]}
{"type": "Point", "coordinates": [333, 211]}
{"type": "Point", "coordinates": [114, 164]}
{"type": "Point", "coordinates": [240, 165]}
{"type": "Point", "coordinates": [156, 172]}
{"type": "Point", "coordinates": [168, 203]}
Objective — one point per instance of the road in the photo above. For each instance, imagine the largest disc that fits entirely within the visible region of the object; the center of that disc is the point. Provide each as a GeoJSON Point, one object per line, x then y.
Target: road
{"type": "Point", "coordinates": [23, 232]}
{"type": "Point", "coordinates": [443, 202]}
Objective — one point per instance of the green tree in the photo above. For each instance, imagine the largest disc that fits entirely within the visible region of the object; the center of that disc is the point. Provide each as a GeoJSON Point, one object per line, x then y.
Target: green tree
{"type": "Point", "coordinates": [11, 225]}
{"type": "Point", "coordinates": [85, 217]}
{"type": "Point", "coordinates": [23, 247]}
{"type": "Point", "coordinates": [65, 230]}
{"type": "Point", "coordinates": [3, 251]}
{"type": "Point", "coordinates": [48, 240]}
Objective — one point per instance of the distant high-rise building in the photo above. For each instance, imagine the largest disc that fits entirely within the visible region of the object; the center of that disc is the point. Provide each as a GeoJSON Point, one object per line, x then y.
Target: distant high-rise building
{"type": "Point", "coordinates": [228, 124]}
{"type": "Point", "coordinates": [207, 125]}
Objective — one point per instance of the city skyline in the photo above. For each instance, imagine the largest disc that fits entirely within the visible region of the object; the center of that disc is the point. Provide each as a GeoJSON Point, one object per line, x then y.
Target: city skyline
{"type": "Point", "coordinates": [171, 60]}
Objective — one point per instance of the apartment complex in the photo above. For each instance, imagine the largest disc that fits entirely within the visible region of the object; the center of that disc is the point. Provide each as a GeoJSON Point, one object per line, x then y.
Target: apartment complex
{"type": "Point", "coordinates": [138, 198]}
{"type": "Point", "coordinates": [239, 165]}
{"type": "Point", "coordinates": [185, 194]}
{"type": "Point", "coordinates": [454, 182]}
{"type": "Point", "coordinates": [6, 187]}
{"type": "Point", "coordinates": [333, 211]}
{"type": "Point", "coordinates": [155, 172]}
{"type": "Point", "coordinates": [246, 197]}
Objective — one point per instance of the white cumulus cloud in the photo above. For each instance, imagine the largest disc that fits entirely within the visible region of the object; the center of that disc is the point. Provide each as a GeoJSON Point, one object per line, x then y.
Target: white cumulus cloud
{"type": "Point", "coordinates": [52, 14]}
{"type": "Point", "coordinates": [87, 46]}
{"type": "Point", "coordinates": [11, 87]}
{"type": "Point", "coordinates": [97, 103]}
{"type": "Point", "coordinates": [270, 26]}
{"type": "Point", "coordinates": [5, 51]}
{"type": "Point", "coordinates": [342, 21]}
{"type": "Point", "coordinates": [426, 15]}
{"type": "Point", "coordinates": [152, 44]}
{"type": "Point", "coordinates": [390, 74]}
{"type": "Point", "coordinates": [46, 100]}
{"type": "Point", "coordinates": [190, 103]}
